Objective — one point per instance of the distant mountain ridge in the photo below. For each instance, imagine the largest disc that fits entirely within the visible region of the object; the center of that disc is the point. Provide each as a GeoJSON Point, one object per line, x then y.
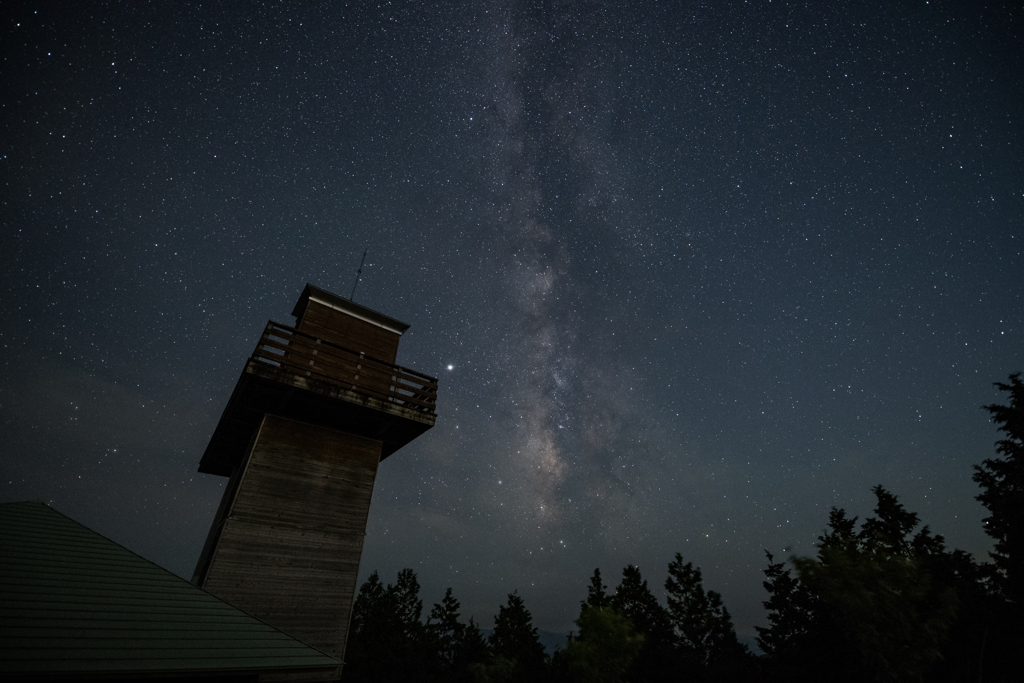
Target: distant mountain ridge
{"type": "Point", "coordinates": [552, 640]}
{"type": "Point", "coordinates": [549, 639]}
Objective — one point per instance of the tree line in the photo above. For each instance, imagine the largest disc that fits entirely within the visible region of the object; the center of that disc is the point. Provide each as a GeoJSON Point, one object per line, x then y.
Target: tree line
{"type": "Point", "coordinates": [882, 600]}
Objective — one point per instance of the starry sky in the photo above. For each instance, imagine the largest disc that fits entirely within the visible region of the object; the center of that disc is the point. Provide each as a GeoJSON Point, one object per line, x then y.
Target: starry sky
{"type": "Point", "coordinates": [690, 273]}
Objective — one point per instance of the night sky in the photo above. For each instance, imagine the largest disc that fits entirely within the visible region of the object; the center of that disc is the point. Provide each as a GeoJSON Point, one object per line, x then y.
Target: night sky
{"type": "Point", "coordinates": [690, 273]}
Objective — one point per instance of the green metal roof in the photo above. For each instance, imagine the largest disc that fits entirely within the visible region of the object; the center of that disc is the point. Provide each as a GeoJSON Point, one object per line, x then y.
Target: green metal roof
{"type": "Point", "coordinates": [75, 603]}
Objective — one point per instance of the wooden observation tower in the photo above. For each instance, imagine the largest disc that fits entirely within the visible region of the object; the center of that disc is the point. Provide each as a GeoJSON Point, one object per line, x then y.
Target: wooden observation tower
{"type": "Point", "coordinates": [316, 409]}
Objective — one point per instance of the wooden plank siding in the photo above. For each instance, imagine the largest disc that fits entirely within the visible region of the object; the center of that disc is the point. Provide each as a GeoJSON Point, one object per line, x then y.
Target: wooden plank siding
{"type": "Point", "coordinates": [289, 548]}
{"type": "Point", "coordinates": [345, 330]}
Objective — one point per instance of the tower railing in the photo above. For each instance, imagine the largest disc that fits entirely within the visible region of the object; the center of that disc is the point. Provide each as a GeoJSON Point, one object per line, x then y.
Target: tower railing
{"type": "Point", "coordinates": [305, 355]}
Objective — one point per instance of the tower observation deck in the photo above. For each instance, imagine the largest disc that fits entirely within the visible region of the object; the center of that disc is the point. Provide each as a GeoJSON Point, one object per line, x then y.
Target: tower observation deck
{"type": "Point", "coordinates": [316, 409]}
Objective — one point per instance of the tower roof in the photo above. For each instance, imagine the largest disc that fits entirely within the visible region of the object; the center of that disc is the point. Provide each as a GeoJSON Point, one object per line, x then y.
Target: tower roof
{"type": "Point", "coordinates": [314, 293]}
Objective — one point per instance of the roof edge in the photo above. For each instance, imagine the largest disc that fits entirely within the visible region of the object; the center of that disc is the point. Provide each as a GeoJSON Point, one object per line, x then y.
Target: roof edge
{"type": "Point", "coordinates": [333, 660]}
{"type": "Point", "coordinates": [322, 296]}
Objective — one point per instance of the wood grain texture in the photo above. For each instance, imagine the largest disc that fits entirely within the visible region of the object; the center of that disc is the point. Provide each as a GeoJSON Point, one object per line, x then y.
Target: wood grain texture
{"type": "Point", "coordinates": [289, 548]}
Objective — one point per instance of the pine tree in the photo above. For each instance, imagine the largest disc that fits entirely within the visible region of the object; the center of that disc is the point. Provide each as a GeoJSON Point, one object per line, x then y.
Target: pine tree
{"type": "Point", "coordinates": [474, 647]}
{"type": "Point", "coordinates": [1002, 484]}
{"type": "Point", "coordinates": [456, 645]}
{"type": "Point", "coordinates": [804, 639]}
{"type": "Point", "coordinates": [791, 612]}
{"type": "Point", "coordinates": [604, 649]}
{"type": "Point", "coordinates": [1002, 493]}
{"type": "Point", "coordinates": [369, 606]}
{"type": "Point", "coordinates": [888, 534]}
{"type": "Point", "coordinates": [405, 594]}
{"type": "Point", "coordinates": [880, 593]}
{"type": "Point", "coordinates": [596, 595]}
{"type": "Point", "coordinates": [373, 635]}
{"type": "Point", "coordinates": [840, 532]}
{"type": "Point", "coordinates": [634, 600]}
{"type": "Point", "coordinates": [515, 639]}
{"type": "Point", "coordinates": [388, 641]}
{"type": "Point", "coordinates": [705, 637]}
{"type": "Point", "coordinates": [445, 630]}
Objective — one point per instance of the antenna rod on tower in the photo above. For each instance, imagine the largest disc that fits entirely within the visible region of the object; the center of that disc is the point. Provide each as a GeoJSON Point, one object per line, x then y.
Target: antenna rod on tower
{"type": "Point", "coordinates": [358, 273]}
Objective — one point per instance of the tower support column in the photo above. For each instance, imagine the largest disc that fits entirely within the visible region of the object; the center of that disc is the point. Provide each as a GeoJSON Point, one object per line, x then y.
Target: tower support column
{"type": "Point", "coordinates": [288, 539]}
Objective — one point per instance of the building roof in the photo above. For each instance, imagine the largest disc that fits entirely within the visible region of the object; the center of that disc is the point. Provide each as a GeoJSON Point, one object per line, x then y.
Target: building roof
{"type": "Point", "coordinates": [76, 604]}
{"type": "Point", "coordinates": [314, 293]}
